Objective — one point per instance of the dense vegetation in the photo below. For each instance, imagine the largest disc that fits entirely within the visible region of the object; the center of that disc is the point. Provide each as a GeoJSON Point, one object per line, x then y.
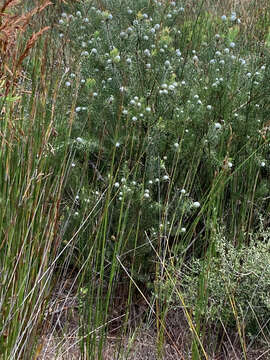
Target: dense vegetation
{"type": "Point", "coordinates": [135, 159]}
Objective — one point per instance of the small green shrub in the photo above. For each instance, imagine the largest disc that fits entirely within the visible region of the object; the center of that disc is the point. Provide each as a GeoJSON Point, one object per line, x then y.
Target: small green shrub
{"type": "Point", "coordinates": [236, 275]}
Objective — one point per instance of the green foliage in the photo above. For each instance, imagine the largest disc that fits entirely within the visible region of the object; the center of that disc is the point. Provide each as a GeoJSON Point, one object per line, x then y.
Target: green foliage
{"type": "Point", "coordinates": [170, 124]}
{"type": "Point", "coordinates": [237, 275]}
{"type": "Point", "coordinates": [179, 104]}
{"type": "Point", "coordinates": [144, 128]}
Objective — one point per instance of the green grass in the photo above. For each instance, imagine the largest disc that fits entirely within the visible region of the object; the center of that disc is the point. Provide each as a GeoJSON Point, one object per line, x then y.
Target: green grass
{"type": "Point", "coordinates": [135, 154]}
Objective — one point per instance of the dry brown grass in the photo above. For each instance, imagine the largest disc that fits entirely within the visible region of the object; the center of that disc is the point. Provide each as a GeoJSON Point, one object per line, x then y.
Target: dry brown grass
{"type": "Point", "coordinates": [13, 25]}
{"type": "Point", "coordinates": [141, 343]}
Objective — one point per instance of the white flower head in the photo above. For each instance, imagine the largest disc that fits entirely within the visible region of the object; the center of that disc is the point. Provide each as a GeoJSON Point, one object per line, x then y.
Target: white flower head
{"type": "Point", "coordinates": [233, 16]}
{"type": "Point", "coordinates": [147, 52]}
{"type": "Point", "coordinates": [196, 204]}
{"type": "Point", "coordinates": [167, 63]}
{"type": "Point", "coordinates": [79, 140]}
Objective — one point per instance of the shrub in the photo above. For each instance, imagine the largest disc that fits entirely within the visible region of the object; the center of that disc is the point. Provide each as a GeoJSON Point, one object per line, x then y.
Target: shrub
{"type": "Point", "coordinates": [162, 107]}
{"type": "Point", "coordinates": [236, 284]}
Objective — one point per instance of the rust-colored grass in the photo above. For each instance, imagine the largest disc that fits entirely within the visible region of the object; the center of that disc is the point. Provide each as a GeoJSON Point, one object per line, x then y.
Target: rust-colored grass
{"type": "Point", "coordinates": [13, 24]}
